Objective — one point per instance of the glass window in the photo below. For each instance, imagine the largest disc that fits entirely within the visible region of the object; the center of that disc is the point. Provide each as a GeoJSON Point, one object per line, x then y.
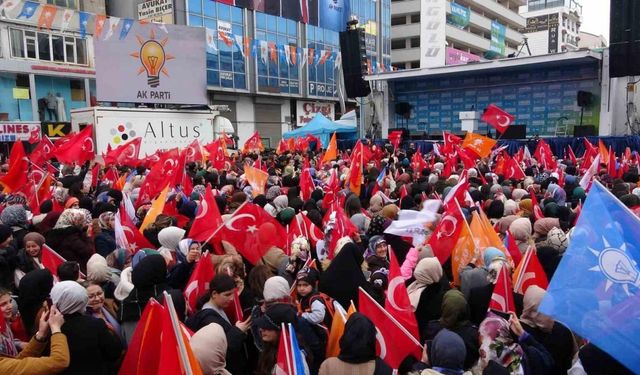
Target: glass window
{"type": "Point", "coordinates": [261, 20]}
{"type": "Point", "coordinates": [70, 50]}
{"type": "Point", "coordinates": [57, 43]}
{"type": "Point", "coordinates": [236, 14]}
{"type": "Point", "coordinates": [30, 38]}
{"type": "Point", "coordinates": [72, 4]}
{"type": "Point", "coordinates": [81, 51]}
{"type": "Point", "coordinates": [209, 9]}
{"type": "Point", "coordinates": [44, 49]}
{"type": "Point", "coordinates": [195, 6]}
{"type": "Point", "coordinates": [224, 12]}
{"type": "Point", "coordinates": [17, 43]}
{"type": "Point", "coordinates": [195, 20]}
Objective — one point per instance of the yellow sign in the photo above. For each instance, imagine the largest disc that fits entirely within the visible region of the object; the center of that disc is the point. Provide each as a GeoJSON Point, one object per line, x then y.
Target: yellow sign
{"type": "Point", "coordinates": [20, 93]}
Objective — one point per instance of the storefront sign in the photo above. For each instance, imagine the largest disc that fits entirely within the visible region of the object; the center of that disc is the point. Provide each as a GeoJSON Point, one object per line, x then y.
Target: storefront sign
{"type": "Point", "coordinates": [433, 16]}
{"type": "Point", "coordinates": [457, 57]}
{"type": "Point", "coordinates": [56, 129]}
{"type": "Point", "coordinates": [154, 9]}
{"type": "Point", "coordinates": [535, 24]}
{"type": "Point", "coordinates": [224, 27]}
{"type": "Point", "coordinates": [20, 93]}
{"type": "Point", "coordinates": [553, 39]}
{"type": "Point", "coordinates": [17, 131]}
{"type": "Point", "coordinates": [306, 111]}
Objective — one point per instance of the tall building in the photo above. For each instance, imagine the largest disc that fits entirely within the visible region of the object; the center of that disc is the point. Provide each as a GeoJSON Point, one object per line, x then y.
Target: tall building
{"type": "Point", "coordinates": [592, 41]}
{"type": "Point", "coordinates": [46, 61]}
{"type": "Point", "coordinates": [452, 32]}
{"type": "Point", "coordinates": [553, 26]}
{"type": "Point", "coordinates": [275, 91]}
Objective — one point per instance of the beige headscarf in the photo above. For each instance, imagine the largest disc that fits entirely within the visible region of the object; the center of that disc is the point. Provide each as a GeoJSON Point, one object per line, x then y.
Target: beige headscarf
{"type": "Point", "coordinates": [530, 315]}
{"type": "Point", "coordinates": [427, 272]}
{"type": "Point", "coordinates": [97, 269]}
{"type": "Point", "coordinates": [209, 345]}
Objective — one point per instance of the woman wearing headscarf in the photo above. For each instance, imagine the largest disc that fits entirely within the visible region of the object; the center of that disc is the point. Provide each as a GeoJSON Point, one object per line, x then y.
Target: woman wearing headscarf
{"type": "Point", "coordinates": [520, 356]}
{"type": "Point", "coordinates": [118, 260]}
{"type": "Point", "coordinates": [29, 257]}
{"type": "Point", "coordinates": [105, 239]}
{"type": "Point", "coordinates": [152, 231]}
{"type": "Point", "coordinates": [99, 272]}
{"type": "Point", "coordinates": [97, 308]}
{"type": "Point", "coordinates": [377, 254]}
{"type": "Point", "coordinates": [542, 227]}
{"type": "Point", "coordinates": [209, 345]}
{"type": "Point", "coordinates": [357, 351]}
{"type": "Point", "coordinates": [526, 208]}
{"type": "Point", "coordinates": [376, 203]}
{"type": "Point", "coordinates": [180, 263]}
{"type": "Point", "coordinates": [426, 291]}
{"type": "Point", "coordinates": [33, 290]}
{"type": "Point", "coordinates": [93, 348]}
{"type": "Point", "coordinates": [521, 231]}
{"type": "Point", "coordinates": [447, 355]}
{"type": "Point", "coordinates": [455, 318]}
{"type": "Point", "coordinates": [15, 216]}
{"type": "Point", "coordinates": [344, 276]}
{"type": "Point", "coordinates": [69, 237]}
{"type": "Point", "coordinates": [555, 337]}
{"type": "Point", "coordinates": [149, 279]}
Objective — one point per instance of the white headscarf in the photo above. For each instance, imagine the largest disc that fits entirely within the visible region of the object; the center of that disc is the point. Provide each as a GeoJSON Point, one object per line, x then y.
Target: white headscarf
{"type": "Point", "coordinates": [69, 297]}
{"type": "Point", "coordinates": [427, 272]}
{"type": "Point", "coordinates": [209, 346]}
{"type": "Point", "coordinates": [169, 238]}
{"type": "Point", "coordinates": [276, 287]}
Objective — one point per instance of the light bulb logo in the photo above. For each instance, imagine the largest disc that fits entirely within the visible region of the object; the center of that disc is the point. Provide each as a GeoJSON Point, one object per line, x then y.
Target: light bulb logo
{"type": "Point", "coordinates": [152, 56]}
{"type": "Point", "coordinates": [617, 266]}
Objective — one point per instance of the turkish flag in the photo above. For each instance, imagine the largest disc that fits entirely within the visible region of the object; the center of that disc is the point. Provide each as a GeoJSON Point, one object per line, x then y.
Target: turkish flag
{"type": "Point", "coordinates": [282, 147]}
{"type": "Point", "coordinates": [467, 157]}
{"type": "Point", "coordinates": [450, 141]}
{"type": "Point", "coordinates": [529, 272]}
{"type": "Point", "coordinates": [194, 152]}
{"type": "Point", "coordinates": [306, 185]}
{"type": "Point", "coordinates": [512, 247]}
{"type": "Point", "coordinates": [445, 235]}
{"type": "Point", "coordinates": [125, 154]}
{"type": "Point", "coordinates": [355, 169]}
{"type": "Point", "coordinates": [144, 348]}
{"type": "Point", "coordinates": [342, 226]}
{"type": "Point", "coordinates": [162, 172]}
{"type": "Point", "coordinates": [110, 176]}
{"type": "Point", "coordinates": [173, 342]}
{"type": "Point", "coordinates": [544, 155]}
{"type": "Point", "coordinates": [16, 178]}
{"type": "Point", "coordinates": [572, 156]}
{"type": "Point", "coordinates": [397, 302]}
{"type": "Point", "coordinates": [537, 211]}
{"type": "Point", "coordinates": [418, 163]}
{"type": "Point", "coordinates": [135, 239]}
{"type": "Point", "coordinates": [42, 152]}
{"type": "Point", "coordinates": [216, 154]}
{"type": "Point", "coordinates": [78, 148]}
{"type": "Point", "coordinates": [252, 231]}
{"type": "Point", "coordinates": [301, 226]}
{"type": "Point", "coordinates": [458, 192]}
{"type": "Point", "coordinates": [394, 342]}
{"type": "Point", "coordinates": [208, 219]}
{"type": "Point", "coordinates": [512, 170]}
{"type": "Point", "coordinates": [253, 144]}
{"type": "Point", "coordinates": [502, 298]}
{"type": "Point", "coordinates": [51, 259]}
{"type": "Point", "coordinates": [395, 137]}
{"type": "Point", "coordinates": [198, 283]}
{"type": "Point", "coordinates": [497, 117]}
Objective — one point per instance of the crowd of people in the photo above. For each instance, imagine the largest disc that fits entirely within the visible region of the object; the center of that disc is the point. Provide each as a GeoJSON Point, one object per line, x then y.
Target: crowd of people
{"type": "Point", "coordinates": [80, 318]}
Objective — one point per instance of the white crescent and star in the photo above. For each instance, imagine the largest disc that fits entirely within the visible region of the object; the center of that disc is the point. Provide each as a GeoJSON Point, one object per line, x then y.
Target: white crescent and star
{"type": "Point", "coordinates": [451, 219]}
{"type": "Point", "coordinates": [229, 223]}
{"type": "Point", "coordinates": [382, 343]}
{"type": "Point", "coordinates": [503, 123]}
{"type": "Point", "coordinates": [204, 208]}
{"type": "Point", "coordinates": [391, 292]}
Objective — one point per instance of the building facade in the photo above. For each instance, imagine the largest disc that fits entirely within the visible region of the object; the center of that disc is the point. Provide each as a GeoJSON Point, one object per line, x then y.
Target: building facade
{"type": "Point", "coordinates": [453, 32]}
{"type": "Point", "coordinates": [46, 71]}
{"type": "Point", "coordinates": [592, 41]}
{"type": "Point", "coordinates": [265, 91]}
{"type": "Point", "coordinates": [553, 26]}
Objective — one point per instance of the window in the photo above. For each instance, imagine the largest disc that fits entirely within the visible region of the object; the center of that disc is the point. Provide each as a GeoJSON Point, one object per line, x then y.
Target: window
{"type": "Point", "coordinates": [415, 64]}
{"type": "Point", "coordinates": [415, 18]}
{"type": "Point", "coordinates": [277, 73]}
{"type": "Point", "coordinates": [72, 4]}
{"type": "Point", "coordinates": [47, 47]}
{"type": "Point", "coordinates": [415, 42]}
{"type": "Point", "coordinates": [398, 44]}
{"type": "Point", "coordinates": [399, 20]}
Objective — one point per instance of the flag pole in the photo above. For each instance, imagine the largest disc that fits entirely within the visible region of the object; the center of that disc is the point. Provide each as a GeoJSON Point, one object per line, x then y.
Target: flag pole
{"type": "Point", "coordinates": [184, 357]}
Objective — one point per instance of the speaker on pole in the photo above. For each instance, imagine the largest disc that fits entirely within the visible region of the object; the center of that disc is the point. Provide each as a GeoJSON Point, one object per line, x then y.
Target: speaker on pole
{"type": "Point", "coordinates": [624, 32]}
{"type": "Point", "coordinates": [354, 62]}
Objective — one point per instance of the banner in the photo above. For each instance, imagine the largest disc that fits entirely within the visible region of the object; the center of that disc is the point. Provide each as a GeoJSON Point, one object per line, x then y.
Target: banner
{"type": "Point", "coordinates": [498, 33]}
{"type": "Point", "coordinates": [553, 38]}
{"type": "Point", "coordinates": [460, 16]}
{"type": "Point", "coordinates": [457, 57]}
{"type": "Point", "coordinates": [334, 14]}
{"type": "Point", "coordinates": [159, 68]}
{"type": "Point", "coordinates": [433, 16]}
{"type": "Point", "coordinates": [306, 111]}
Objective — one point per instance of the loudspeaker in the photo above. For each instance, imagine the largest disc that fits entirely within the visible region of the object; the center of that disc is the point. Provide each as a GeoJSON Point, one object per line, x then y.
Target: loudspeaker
{"type": "Point", "coordinates": [403, 109]}
{"type": "Point", "coordinates": [585, 99]}
{"type": "Point", "coordinates": [515, 132]}
{"type": "Point", "coordinates": [624, 33]}
{"type": "Point", "coordinates": [584, 131]}
{"type": "Point", "coordinates": [354, 62]}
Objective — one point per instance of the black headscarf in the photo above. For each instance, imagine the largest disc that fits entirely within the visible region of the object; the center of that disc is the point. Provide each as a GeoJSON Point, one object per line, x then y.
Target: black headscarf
{"type": "Point", "coordinates": [150, 271]}
{"type": "Point", "coordinates": [344, 275]}
{"type": "Point", "coordinates": [496, 210]}
{"type": "Point", "coordinates": [34, 290]}
{"type": "Point", "coordinates": [358, 342]}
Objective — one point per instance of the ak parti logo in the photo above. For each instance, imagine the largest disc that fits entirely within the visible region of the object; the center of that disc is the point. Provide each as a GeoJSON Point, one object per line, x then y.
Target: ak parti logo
{"type": "Point", "coordinates": [153, 57]}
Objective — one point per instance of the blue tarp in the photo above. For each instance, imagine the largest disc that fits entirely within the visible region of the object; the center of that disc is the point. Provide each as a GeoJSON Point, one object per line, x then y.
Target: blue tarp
{"type": "Point", "coordinates": [323, 128]}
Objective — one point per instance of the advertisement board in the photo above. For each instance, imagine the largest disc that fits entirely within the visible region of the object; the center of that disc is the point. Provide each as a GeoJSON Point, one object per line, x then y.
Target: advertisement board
{"type": "Point", "coordinates": [457, 57]}
{"type": "Point", "coordinates": [498, 34]}
{"type": "Point", "coordinates": [433, 16]}
{"type": "Point", "coordinates": [17, 131]}
{"type": "Point", "coordinates": [306, 111]}
{"type": "Point", "coordinates": [159, 63]}
{"type": "Point", "coordinates": [156, 10]}
{"type": "Point", "coordinates": [460, 16]}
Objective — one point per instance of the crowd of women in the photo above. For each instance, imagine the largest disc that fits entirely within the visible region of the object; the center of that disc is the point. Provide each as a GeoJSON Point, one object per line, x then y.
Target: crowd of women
{"type": "Point", "coordinates": [81, 320]}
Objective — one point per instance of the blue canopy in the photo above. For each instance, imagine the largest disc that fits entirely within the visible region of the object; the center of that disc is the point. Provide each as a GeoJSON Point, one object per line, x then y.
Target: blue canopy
{"type": "Point", "coordinates": [322, 128]}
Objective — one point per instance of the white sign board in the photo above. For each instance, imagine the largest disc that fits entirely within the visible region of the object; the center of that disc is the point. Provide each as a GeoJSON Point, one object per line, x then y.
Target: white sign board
{"type": "Point", "coordinates": [306, 110]}
{"type": "Point", "coordinates": [18, 131]}
{"type": "Point", "coordinates": [433, 20]}
{"type": "Point", "coordinates": [224, 27]}
{"type": "Point", "coordinates": [154, 9]}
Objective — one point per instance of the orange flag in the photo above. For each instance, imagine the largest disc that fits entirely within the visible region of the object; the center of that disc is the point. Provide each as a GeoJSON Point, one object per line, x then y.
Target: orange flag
{"type": "Point", "coordinates": [99, 24]}
{"type": "Point", "coordinates": [332, 150]}
{"type": "Point", "coordinates": [479, 144]}
{"type": "Point", "coordinates": [604, 152]}
{"type": "Point", "coordinates": [463, 253]}
{"type": "Point", "coordinates": [256, 178]}
{"type": "Point", "coordinates": [355, 170]}
{"type": "Point", "coordinates": [156, 209]}
{"type": "Point", "coordinates": [47, 15]}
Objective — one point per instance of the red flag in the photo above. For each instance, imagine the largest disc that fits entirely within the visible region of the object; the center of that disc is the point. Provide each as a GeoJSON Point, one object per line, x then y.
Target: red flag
{"type": "Point", "coordinates": [42, 152]}
{"type": "Point", "coordinates": [145, 345]}
{"type": "Point", "coordinates": [175, 351]}
{"type": "Point", "coordinates": [306, 185]}
{"type": "Point", "coordinates": [194, 152]}
{"type": "Point", "coordinates": [216, 154]}
{"type": "Point", "coordinates": [395, 137]}
{"type": "Point", "coordinates": [234, 309]}
{"type": "Point", "coordinates": [497, 117]}
{"type": "Point", "coordinates": [125, 154]}
{"type": "Point", "coordinates": [512, 247]}
{"type": "Point", "coordinates": [450, 140]}
{"type": "Point", "coordinates": [110, 176]}
{"type": "Point", "coordinates": [572, 156]}
{"type": "Point", "coordinates": [78, 149]}
{"type": "Point", "coordinates": [512, 170]}
{"type": "Point", "coordinates": [445, 235]}
{"type": "Point", "coordinates": [394, 342]}
{"type": "Point", "coordinates": [403, 191]}
{"type": "Point", "coordinates": [537, 211]}
{"type": "Point", "coordinates": [502, 298]}
{"type": "Point", "coordinates": [282, 147]}
{"type": "Point", "coordinates": [95, 171]}
{"type": "Point", "coordinates": [611, 164]}
{"type": "Point", "coordinates": [544, 155]}
{"type": "Point", "coordinates": [51, 259]}
{"type": "Point", "coordinates": [301, 226]}
{"type": "Point", "coordinates": [253, 144]}
{"type": "Point", "coordinates": [418, 163]}
{"type": "Point", "coordinates": [208, 219]}
{"type": "Point", "coordinates": [397, 302]}
{"type": "Point", "coordinates": [35, 135]}
{"type": "Point", "coordinates": [342, 226]}
{"type": "Point", "coordinates": [16, 177]}
{"type": "Point", "coordinates": [459, 191]}
{"type": "Point", "coordinates": [529, 272]}
{"type": "Point", "coordinates": [198, 283]}
{"type": "Point", "coordinates": [467, 157]}
{"type": "Point", "coordinates": [252, 231]}
{"type": "Point", "coordinates": [284, 360]}
{"type": "Point", "coordinates": [162, 173]}
{"type": "Point", "coordinates": [135, 239]}
{"type": "Point", "coordinates": [355, 169]}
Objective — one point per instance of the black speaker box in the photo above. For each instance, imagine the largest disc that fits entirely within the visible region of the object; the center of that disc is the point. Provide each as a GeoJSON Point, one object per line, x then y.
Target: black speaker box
{"type": "Point", "coordinates": [584, 131]}
{"type": "Point", "coordinates": [403, 109]}
{"type": "Point", "coordinates": [585, 99]}
{"type": "Point", "coordinates": [515, 132]}
{"type": "Point", "coordinates": [354, 62]}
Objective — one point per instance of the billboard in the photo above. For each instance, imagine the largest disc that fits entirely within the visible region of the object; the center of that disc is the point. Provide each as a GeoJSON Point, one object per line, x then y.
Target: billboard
{"type": "Point", "coordinates": [433, 16]}
{"type": "Point", "coordinates": [156, 10]}
{"type": "Point", "coordinates": [457, 57]}
{"type": "Point", "coordinates": [498, 34]}
{"type": "Point", "coordinates": [152, 63]}
{"type": "Point", "coordinates": [307, 110]}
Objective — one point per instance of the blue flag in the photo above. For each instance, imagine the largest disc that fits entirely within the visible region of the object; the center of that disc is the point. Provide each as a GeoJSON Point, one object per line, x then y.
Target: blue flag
{"type": "Point", "coordinates": [28, 9]}
{"type": "Point", "coordinates": [299, 362]}
{"type": "Point", "coordinates": [84, 20]}
{"type": "Point", "coordinates": [595, 290]}
{"type": "Point", "coordinates": [126, 27]}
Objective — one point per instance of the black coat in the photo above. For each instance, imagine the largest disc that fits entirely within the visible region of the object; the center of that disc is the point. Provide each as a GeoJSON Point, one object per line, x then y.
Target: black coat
{"type": "Point", "coordinates": [430, 305]}
{"type": "Point", "coordinates": [468, 333]}
{"type": "Point", "coordinates": [72, 243]}
{"type": "Point", "coordinates": [479, 299]}
{"type": "Point", "coordinates": [92, 347]}
{"type": "Point", "coordinates": [105, 242]}
{"type": "Point", "coordinates": [559, 343]}
{"type": "Point", "coordinates": [236, 339]}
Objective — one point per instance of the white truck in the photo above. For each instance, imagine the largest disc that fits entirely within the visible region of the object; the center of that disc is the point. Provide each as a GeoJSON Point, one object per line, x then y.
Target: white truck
{"type": "Point", "coordinates": [160, 129]}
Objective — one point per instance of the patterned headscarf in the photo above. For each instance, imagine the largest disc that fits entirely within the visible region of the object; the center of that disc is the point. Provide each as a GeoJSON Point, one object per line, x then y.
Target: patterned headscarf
{"type": "Point", "coordinates": [104, 218]}
{"type": "Point", "coordinates": [497, 344]}
{"type": "Point", "coordinates": [14, 216]}
{"type": "Point", "coordinates": [73, 217]}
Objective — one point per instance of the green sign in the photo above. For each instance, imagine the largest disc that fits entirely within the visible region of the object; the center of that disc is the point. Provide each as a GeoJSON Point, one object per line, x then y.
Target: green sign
{"type": "Point", "coordinates": [459, 16]}
{"type": "Point", "coordinates": [498, 33]}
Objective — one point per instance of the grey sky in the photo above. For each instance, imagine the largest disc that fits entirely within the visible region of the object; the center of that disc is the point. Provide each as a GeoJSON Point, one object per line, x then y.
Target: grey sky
{"type": "Point", "coordinates": [595, 14]}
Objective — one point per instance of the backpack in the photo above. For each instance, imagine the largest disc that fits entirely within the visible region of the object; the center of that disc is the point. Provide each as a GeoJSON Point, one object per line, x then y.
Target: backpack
{"type": "Point", "coordinates": [330, 310]}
